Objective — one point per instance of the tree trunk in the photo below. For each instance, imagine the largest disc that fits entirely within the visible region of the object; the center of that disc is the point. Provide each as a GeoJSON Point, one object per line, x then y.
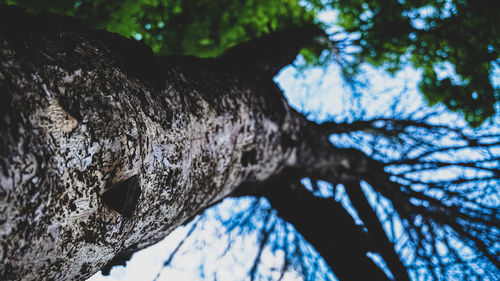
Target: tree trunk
{"type": "Point", "coordinates": [105, 149]}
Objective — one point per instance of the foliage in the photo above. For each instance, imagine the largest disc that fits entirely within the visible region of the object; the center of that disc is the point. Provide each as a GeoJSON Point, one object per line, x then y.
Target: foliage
{"type": "Point", "coordinates": [461, 37]}
{"type": "Point", "coordinates": [189, 27]}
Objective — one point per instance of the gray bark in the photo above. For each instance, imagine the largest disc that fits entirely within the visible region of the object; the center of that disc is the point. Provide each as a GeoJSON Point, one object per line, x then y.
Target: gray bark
{"type": "Point", "coordinates": [105, 149]}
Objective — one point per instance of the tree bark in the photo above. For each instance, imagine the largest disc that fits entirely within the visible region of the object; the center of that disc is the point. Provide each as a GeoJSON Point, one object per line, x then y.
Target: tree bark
{"type": "Point", "coordinates": [105, 149]}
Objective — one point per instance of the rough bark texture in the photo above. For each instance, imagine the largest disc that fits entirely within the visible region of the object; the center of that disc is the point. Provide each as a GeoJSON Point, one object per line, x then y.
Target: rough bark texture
{"type": "Point", "coordinates": [105, 149]}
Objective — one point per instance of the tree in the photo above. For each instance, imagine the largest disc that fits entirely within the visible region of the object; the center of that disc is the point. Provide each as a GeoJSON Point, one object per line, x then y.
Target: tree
{"type": "Point", "coordinates": [106, 148]}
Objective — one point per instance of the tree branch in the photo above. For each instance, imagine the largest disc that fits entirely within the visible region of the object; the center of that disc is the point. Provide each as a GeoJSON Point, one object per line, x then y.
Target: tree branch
{"type": "Point", "coordinates": [375, 229]}
{"type": "Point", "coordinates": [325, 224]}
{"type": "Point", "coordinates": [268, 54]}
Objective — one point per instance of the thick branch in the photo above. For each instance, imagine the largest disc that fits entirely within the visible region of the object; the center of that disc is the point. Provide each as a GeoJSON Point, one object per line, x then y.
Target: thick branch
{"type": "Point", "coordinates": [372, 223]}
{"type": "Point", "coordinates": [325, 224]}
{"type": "Point", "coordinates": [268, 54]}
